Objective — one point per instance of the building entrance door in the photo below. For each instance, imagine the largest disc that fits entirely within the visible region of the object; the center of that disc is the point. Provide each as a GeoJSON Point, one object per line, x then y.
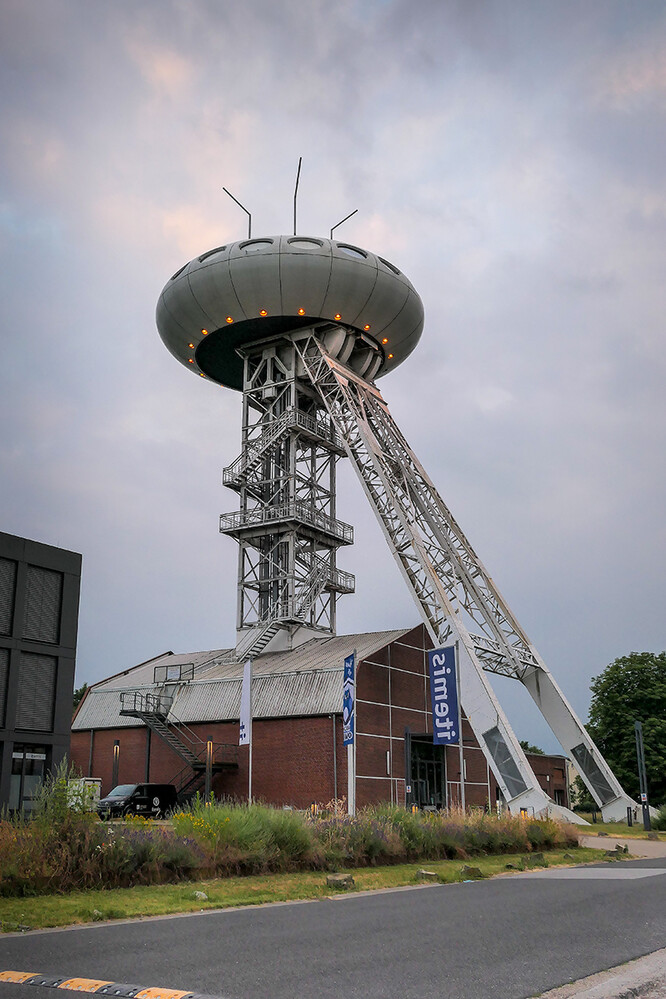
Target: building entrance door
{"type": "Point", "coordinates": [28, 770]}
{"type": "Point", "coordinates": [428, 773]}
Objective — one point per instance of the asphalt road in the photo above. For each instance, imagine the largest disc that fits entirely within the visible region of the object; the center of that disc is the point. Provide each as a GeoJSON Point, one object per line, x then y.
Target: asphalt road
{"type": "Point", "coordinates": [510, 937]}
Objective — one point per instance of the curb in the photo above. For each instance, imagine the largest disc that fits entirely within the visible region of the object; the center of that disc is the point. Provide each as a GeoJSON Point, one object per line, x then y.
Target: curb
{"type": "Point", "coordinates": [645, 976]}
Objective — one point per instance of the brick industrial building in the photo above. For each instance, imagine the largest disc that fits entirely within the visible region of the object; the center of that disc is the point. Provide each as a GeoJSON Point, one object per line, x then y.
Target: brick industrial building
{"type": "Point", "coordinates": [153, 722]}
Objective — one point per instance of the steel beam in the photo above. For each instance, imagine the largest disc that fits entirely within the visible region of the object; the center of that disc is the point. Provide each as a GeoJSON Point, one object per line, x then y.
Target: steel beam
{"type": "Point", "coordinates": [455, 594]}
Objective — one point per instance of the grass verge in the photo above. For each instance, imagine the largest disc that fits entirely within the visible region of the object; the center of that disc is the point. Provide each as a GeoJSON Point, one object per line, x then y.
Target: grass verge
{"type": "Point", "coordinates": [614, 829]}
{"type": "Point", "coordinates": [155, 900]}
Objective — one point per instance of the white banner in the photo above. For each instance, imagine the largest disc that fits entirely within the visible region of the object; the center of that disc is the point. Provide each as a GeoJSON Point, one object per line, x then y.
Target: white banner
{"type": "Point", "coordinates": [246, 706]}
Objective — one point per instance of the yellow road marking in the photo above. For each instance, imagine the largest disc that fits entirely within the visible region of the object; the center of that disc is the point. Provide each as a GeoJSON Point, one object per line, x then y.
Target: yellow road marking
{"type": "Point", "coordinates": [93, 984]}
{"type": "Point", "coordinates": [83, 984]}
{"type": "Point", "coordinates": [162, 993]}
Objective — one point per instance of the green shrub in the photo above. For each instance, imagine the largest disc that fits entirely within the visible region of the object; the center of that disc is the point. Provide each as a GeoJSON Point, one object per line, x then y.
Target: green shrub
{"type": "Point", "coordinates": [660, 822]}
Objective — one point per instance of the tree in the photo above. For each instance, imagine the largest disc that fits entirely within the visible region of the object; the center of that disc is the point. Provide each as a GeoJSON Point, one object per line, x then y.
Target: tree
{"type": "Point", "coordinates": [78, 694]}
{"type": "Point", "coordinates": [630, 689]}
{"type": "Point", "coordinates": [581, 799]}
{"type": "Point", "coordinates": [527, 747]}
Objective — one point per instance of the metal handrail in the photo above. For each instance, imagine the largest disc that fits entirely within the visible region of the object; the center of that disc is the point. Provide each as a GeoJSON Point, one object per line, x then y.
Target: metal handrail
{"type": "Point", "coordinates": [290, 418]}
{"type": "Point", "coordinates": [165, 673]}
{"type": "Point", "coordinates": [295, 510]}
{"type": "Point", "coordinates": [152, 704]}
{"type": "Point", "coordinates": [341, 580]}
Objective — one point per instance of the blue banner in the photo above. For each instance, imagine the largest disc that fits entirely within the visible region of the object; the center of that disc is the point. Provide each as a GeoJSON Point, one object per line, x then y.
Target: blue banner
{"type": "Point", "coordinates": [348, 702]}
{"type": "Point", "coordinates": [444, 696]}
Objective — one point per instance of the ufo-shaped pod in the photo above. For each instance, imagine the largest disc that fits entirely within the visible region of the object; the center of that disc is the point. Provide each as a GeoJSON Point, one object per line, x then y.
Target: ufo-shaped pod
{"type": "Point", "coordinates": [232, 296]}
{"type": "Point", "coordinates": [254, 268]}
{"type": "Point", "coordinates": [174, 333]}
{"type": "Point", "coordinates": [402, 328]}
{"type": "Point", "coordinates": [211, 286]}
{"type": "Point", "coordinates": [179, 302]}
{"type": "Point", "coordinates": [387, 300]}
{"type": "Point", "coordinates": [353, 277]}
{"type": "Point", "coordinates": [305, 273]}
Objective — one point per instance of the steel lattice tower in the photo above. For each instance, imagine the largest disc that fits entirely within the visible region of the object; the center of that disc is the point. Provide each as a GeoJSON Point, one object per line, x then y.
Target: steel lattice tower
{"type": "Point", "coordinates": [303, 326]}
{"type": "Point", "coordinates": [286, 527]}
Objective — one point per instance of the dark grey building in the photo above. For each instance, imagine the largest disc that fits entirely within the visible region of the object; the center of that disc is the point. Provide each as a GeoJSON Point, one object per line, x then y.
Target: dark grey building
{"type": "Point", "coordinates": [39, 609]}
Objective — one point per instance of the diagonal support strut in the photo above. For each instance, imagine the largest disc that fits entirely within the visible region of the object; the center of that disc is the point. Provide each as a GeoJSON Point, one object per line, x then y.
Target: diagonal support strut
{"type": "Point", "coordinates": [456, 596]}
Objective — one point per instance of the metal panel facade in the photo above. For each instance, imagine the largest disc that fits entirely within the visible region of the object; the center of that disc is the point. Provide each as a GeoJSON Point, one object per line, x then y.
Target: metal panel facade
{"type": "Point", "coordinates": [39, 604]}
{"type": "Point", "coordinates": [7, 588]}
{"type": "Point", "coordinates": [42, 606]}
{"type": "Point", "coordinates": [4, 674]}
{"type": "Point", "coordinates": [36, 692]}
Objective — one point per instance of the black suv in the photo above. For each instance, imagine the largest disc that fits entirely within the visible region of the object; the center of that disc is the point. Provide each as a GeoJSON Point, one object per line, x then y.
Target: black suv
{"type": "Point", "coordinates": [151, 800]}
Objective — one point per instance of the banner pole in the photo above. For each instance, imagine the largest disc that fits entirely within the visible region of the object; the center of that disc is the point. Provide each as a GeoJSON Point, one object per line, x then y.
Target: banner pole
{"type": "Point", "coordinates": [349, 728]}
{"type": "Point", "coordinates": [355, 723]}
{"type": "Point", "coordinates": [249, 769]}
{"type": "Point", "coordinates": [460, 732]}
{"type": "Point", "coordinates": [245, 726]}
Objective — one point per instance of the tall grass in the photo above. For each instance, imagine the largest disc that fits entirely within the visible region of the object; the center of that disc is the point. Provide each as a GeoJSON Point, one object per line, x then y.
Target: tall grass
{"type": "Point", "coordinates": [61, 848]}
{"type": "Point", "coordinates": [245, 839]}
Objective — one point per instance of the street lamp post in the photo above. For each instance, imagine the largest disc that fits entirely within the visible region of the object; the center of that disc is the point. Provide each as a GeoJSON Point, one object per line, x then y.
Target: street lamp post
{"type": "Point", "coordinates": [209, 768]}
{"type": "Point", "coordinates": [116, 761]}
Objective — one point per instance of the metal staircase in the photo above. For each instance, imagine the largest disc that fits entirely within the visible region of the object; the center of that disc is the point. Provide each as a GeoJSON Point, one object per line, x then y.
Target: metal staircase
{"type": "Point", "coordinates": [238, 473]}
{"type": "Point", "coordinates": [255, 641]}
{"type": "Point", "coordinates": [286, 524]}
{"type": "Point", "coordinates": [455, 595]}
{"type": "Point", "coordinates": [154, 710]}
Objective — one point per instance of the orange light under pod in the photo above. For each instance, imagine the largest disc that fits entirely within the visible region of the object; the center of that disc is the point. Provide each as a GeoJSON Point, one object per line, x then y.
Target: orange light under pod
{"type": "Point", "coordinates": [337, 316]}
{"type": "Point", "coordinates": [366, 327]}
{"type": "Point", "coordinates": [390, 357]}
{"type": "Point", "coordinates": [190, 360]}
{"type": "Point", "coordinates": [301, 312]}
{"type": "Point", "coordinates": [262, 312]}
{"type": "Point", "coordinates": [384, 340]}
{"type": "Point", "coordinates": [205, 332]}
{"type": "Point", "coordinates": [230, 319]}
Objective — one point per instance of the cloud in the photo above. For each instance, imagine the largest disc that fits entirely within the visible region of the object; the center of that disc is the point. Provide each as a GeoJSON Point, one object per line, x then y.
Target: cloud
{"type": "Point", "coordinates": [166, 72]}
{"type": "Point", "coordinates": [509, 161]}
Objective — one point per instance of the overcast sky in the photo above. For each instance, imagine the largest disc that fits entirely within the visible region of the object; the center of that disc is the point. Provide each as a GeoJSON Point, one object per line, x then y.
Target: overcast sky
{"type": "Point", "coordinates": [508, 156]}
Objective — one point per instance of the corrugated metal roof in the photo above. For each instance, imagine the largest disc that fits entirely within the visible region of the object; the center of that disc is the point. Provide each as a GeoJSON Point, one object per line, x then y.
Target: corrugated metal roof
{"type": "Point", "coordinates": [303, 681]}
{"type": "Point", "coordinates": [136, 676]}
{"type": "Point", "coordinates": [311, 692]}
{"type": "Point", "coordinates": [307, 693]}
{"type": "Point", "coordinates": [318, 653]}
{"type": "Point", "coordinates": [101, 709]}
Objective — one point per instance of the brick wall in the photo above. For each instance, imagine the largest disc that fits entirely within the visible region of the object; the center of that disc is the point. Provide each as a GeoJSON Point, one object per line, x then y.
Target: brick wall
{"type": "Point", "coordinates": [293, 761]}
{"type": "Point", "coordinates": [393, 695]}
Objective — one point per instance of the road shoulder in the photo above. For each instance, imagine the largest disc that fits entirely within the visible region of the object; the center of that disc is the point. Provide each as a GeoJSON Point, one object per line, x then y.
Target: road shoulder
{"type": "Point", "coordinates": [645, 977]}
